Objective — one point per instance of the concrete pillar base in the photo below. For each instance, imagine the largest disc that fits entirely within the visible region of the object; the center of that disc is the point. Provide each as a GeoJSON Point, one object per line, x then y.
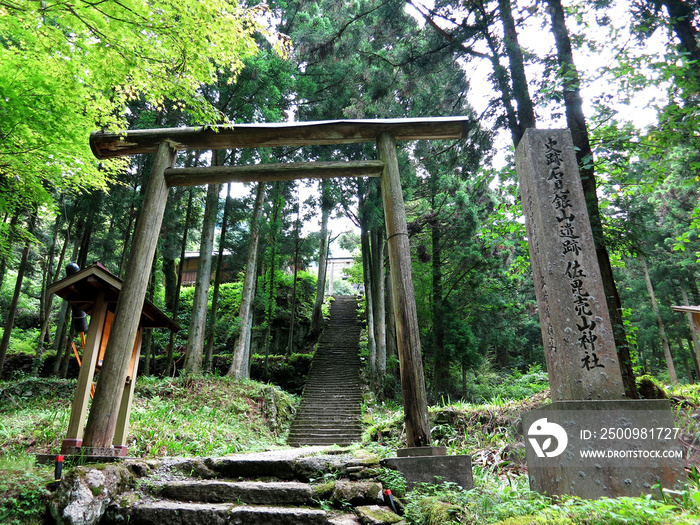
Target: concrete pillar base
{"type": "Point", "coordinates": [434, 469]}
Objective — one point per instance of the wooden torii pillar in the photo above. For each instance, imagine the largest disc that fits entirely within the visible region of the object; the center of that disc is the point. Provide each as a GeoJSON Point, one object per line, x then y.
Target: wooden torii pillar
{"type": "Point", "coordinates": [164, 142]}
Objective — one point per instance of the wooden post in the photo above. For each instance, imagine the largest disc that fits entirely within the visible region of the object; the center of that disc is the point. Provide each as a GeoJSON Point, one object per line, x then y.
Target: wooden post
{"type": "Point", "coordinates": [412, 379]}
{"type": "Point", "coordinates": [122, 430]}
{"type": "Point", "coordinates": [74, 436]}
{"type": "Point", "coordinates": [102, 421]}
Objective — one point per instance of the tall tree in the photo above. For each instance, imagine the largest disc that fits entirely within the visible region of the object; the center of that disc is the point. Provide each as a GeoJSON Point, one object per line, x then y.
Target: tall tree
{"type": "Point", "coordinates": [326, 207]}
{"type": "Point", "coordinates": [198, 323]}
{"type": "Point", "coordinates": [175, 308]}
{"type": "Point", "coordinates": [240, 364]}
{"type": "Point", "coordinates": [219, 271]}
{"type": "Point", "coordinates": [659, 322]}
{"type": "Point", "coordinates": [10, 321]}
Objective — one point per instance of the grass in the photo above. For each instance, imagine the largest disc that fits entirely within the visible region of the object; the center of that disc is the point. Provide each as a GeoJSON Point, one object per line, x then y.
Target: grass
{"type": "Point", "coordinates": [213, 416]}
{"type": "Point", "coordinates": [169, 417]}
{"type": "Point", "coordinates": [23, 492]}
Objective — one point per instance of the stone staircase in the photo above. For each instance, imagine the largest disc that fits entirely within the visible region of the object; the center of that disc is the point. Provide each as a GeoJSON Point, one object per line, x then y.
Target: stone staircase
{"type": "Point", "coordinates": [301, 486]}
{"type": "Point", "coordinates": [330, 408]}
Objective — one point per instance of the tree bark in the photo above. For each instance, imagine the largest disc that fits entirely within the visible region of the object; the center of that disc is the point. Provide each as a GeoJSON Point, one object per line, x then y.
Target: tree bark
{"type": "Point", "coordinates": [12, 312]}
{"type": "Point", "coordinates": [293, 307]}
{"type": "Point", "coordinates": [170, 282]}
{"type": "Point", "coordinates": [273, 243]}
{"type": "Point", "coordinates": [378, 305]}
{"type": "Point", "coordinates": [681, 14]}
{"type": "Point", "coordinates": [441, 361]}
{"type": "Point", "coordinates": [217, 283]}
{"type": "Point", "coordinates": [526, 112]}
{"type": "Point", "coordinates": [101, 424]}
{"type": "Point", "coordinates": [170, 352]}
{"type": "Point", "coordinates": [51, 276]}
{"type": "Point", "coordinates": [326, 205]}
{"type": "Point", "coordinates": [369, 306]}
{"type": "Point", "coordinates": [240, 364]}
{"type": "Point", "coordinates": [576, 122]}
{"type": "Point", "coordinates": [198, 323]}
{"type": "Point", "coordinates": [659, 322]}
{"type": "Point", "coordinates": [391, 350]}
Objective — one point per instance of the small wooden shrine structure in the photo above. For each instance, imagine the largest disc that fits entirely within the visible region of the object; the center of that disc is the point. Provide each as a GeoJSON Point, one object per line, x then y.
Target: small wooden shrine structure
{"type": "Point", "coordinates": [95, 291]}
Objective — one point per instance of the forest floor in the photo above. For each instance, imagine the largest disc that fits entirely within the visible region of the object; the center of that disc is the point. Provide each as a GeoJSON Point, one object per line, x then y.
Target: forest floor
{"type": "Point", "coordinates": [217, 416]}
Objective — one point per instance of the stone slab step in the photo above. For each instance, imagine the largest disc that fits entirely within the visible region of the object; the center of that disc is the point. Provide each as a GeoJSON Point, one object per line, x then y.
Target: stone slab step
{"type": "Point", "coordinates": [326, 423]}
{"type": "Point", "coordinates": [179, 513]}
{"type": "Point", "coordinates": [287, 493]}
{"type": "Point", "coordinates": [334, 437]}
{"type": "Point", "coordinates": [325, 434]}
{"type": "Point", "coordinates": [320, 424]}
{"type": "Point", "coordinates": [325, 442]}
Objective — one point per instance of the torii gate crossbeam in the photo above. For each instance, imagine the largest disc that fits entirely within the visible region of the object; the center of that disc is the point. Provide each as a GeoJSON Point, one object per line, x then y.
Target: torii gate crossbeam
{"type": "Point", "coordinates": [99, 431]}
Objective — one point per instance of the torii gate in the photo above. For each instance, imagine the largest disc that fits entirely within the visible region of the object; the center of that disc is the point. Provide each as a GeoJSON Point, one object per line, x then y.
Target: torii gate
{"type": "Point", "coordinates": [101, 424]}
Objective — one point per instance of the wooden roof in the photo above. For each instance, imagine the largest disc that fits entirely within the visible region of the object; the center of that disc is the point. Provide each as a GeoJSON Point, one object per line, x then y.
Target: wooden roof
{"type": "Point", "coordinates": [324, 132]}
{"type": "Point", "coordinates": [82, 288]}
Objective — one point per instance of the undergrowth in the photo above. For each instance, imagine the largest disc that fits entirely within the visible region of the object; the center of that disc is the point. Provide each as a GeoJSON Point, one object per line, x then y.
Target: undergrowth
{"type": "Point", "coordinates": [23, 492]}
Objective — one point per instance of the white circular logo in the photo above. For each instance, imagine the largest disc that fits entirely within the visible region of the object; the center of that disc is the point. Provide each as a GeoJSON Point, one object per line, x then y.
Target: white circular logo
{"type": "Point", "coordinates": [544, 429]}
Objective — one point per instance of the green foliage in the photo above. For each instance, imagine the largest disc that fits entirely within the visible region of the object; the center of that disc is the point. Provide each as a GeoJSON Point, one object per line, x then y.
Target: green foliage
{"type": "Point", "coordinates": [66, 70]}
{"type": "Point", "coordinates": [393, 480]}
{"type": "Point", "coordinates": [22, 341]}
{"type": "Point", "coordinates": [509, 502]}
{"type": "Point", "coordinates": [485, 386]}
{"type": "Point", "coordinates": [23, 492]}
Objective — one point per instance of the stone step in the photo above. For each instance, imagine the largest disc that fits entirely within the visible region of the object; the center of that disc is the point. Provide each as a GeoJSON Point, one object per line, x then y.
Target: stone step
{"type": "Point", "coordinates": [326, 416]}
{"type": "Point", "coordinates": [323, 440]}
{"type": "Point", "coordinates": [328, 423]}
{"type": "Point", "coordinates": [318, 393]}
{"type": "Point", "coordinates": [180, 513]}
{"type": "Point", "coordinates": [326, 413]}
{"type": "Point", "coordinates": [278, 493]}
{"type": "Point", "coordinates": [332, 432]}
{"type": "Point", "coordinates": [331, 399]}
{"type": "Point", "coordinates": [330, 409]}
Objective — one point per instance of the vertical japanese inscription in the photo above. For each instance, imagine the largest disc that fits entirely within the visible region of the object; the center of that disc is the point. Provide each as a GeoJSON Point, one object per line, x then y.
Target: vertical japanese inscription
{"type": "Point", "coordinates": [572, 250]}
{"type": "Point", "coordinates": [574, 321]}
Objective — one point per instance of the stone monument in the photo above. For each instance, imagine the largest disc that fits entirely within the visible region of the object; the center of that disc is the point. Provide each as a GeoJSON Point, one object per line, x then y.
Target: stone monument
{"type": "Point", "coordinates": [590, 442]}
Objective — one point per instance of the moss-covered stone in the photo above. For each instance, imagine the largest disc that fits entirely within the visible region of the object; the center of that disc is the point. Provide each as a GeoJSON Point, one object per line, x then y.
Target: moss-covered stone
{"type": "Point", "coordinates": [357, 493]}
{"type": "Point", "coordinates": [84, 493]}
{"type": "Point", "coordinates": [436, 512]}
{"type": "Point", "coordinates": [323, 491]}
{"type": "Point", "coordinates": [650, 388]}
{"type": "Point", "coordinates": [376, 515]}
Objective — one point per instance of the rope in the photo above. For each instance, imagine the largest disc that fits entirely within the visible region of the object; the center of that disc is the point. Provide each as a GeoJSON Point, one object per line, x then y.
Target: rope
{"type": "Point", "coordinates": [395, 234]}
